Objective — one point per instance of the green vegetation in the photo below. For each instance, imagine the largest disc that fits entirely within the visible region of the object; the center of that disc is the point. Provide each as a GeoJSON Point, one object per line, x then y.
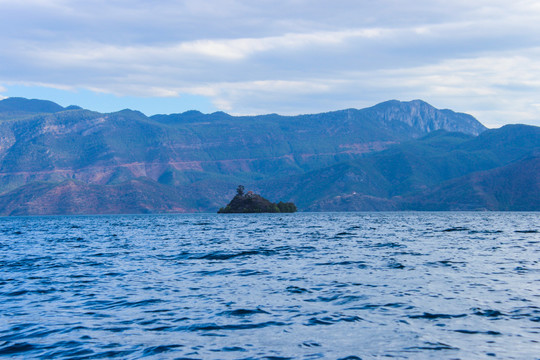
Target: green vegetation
{"type": "Point", "coordinates": [369, 159]}
{"type": "Point", "coordinates": [287, 207]}
{"type": "Point", "coordinates": [253, 203]}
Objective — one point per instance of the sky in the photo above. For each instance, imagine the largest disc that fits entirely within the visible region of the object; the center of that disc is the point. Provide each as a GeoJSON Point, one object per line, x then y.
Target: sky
{"type": "Point", "coordinates": [287, 57]}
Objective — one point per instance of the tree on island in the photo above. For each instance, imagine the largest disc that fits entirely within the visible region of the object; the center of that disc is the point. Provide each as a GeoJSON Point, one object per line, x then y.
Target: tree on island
{"type": "Point", "coordinates": [240, 190]}
{"type": "Point", "coordinates": [254, 203]}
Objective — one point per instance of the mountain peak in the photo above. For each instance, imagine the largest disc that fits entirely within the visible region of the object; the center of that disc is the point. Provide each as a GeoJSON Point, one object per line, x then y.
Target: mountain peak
{"type": "Point", "coordinates": [130, 112]}
{"type": "Point", "coordinates": [19, 104]}
{"type": "Point", "coordinates": [426, 118]}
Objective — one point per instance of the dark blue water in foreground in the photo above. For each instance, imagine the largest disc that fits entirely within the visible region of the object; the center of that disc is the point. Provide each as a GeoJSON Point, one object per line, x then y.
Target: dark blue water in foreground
{"type": "Point", "coordinates": [303, 286]}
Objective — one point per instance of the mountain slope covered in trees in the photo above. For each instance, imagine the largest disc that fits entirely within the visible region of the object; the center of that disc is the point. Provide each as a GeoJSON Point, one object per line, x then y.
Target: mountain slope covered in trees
{"type": "Point", "coordinates": [57, 160]}
{"type": "Point", "coordinates": [408, 173]}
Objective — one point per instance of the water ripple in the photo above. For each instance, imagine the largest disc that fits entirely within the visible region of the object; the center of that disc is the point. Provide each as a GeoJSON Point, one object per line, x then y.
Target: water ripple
{"type": "Point", "coordinates": [271, 286]}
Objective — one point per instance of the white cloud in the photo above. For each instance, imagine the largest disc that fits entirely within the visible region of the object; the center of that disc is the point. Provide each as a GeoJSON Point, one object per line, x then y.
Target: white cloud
{"type": "Point", "coordinates": [92, 54]}
{"type": "Point", "coordinates": [242, 48]}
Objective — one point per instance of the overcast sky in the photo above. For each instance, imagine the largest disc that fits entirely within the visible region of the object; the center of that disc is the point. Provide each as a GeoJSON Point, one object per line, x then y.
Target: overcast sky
{"type": "Point", "coordinates": [288, 57]}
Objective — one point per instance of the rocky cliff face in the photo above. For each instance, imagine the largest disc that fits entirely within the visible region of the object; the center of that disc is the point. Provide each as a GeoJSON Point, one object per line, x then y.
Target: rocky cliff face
{"type": "Point", "coordinates": [425, 118]}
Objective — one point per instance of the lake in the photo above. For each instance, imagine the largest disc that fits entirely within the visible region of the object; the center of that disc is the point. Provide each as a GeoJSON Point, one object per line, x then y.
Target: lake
{"type": "Point", "coordinates": [410, 285]}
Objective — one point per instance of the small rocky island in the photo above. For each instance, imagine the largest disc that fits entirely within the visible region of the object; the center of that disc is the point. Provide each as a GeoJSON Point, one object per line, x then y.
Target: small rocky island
{"type": "Point", "coordinates": [253, 203]}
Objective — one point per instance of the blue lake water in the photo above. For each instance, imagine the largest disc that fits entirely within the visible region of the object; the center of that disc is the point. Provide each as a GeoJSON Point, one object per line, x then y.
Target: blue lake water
{"type": "Point", "coordinates": [270, 286]}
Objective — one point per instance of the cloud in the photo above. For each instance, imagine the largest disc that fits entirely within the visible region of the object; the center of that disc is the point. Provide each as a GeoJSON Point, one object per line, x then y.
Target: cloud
{"type": "Point", "coordinates": [283, 56]}
{"type": "Point", "coordinates": [241, 48]}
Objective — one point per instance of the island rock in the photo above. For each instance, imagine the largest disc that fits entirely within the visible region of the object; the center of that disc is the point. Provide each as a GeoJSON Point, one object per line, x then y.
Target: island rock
{"type": "Point", "coordinates": [254, 203]}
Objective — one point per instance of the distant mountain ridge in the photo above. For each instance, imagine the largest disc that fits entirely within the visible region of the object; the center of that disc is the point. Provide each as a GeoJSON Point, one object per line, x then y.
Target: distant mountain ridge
{"type": "Point", "coordinates": [22, 105]}
{"type": "Point", "coordinates": [52, 159]}
{"type": "Point", "coordinates": [418, 114]}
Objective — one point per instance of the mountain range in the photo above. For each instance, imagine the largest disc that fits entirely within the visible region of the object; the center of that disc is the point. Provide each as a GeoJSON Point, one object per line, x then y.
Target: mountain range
{"type": "Point", "coordinates": [392, 156]}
